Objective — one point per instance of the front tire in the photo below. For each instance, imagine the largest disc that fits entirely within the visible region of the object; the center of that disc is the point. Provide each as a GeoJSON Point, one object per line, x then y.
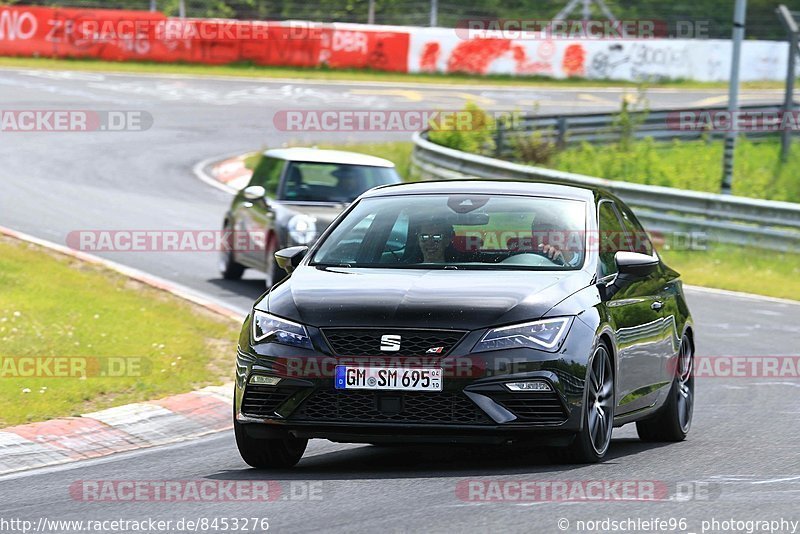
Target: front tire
{"type": "Point", "coordinates": [268, 453]}
{"type": "Point", "coordinates": [674, 419]}
{"type": "Point", "coordinates": [228, 267]}
{"type": "Point", "coordinates": [591, 443]}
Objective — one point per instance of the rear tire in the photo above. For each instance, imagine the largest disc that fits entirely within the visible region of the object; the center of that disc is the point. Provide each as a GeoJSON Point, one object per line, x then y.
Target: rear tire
{"type": "Point", "coordinates": [674, 419]}
{"type": "Point", "coordinates": [591, 443]}
{"type": "Point", "coordinates": [268, 453]}
{"type": "Point", "coordinates": [228, 267]}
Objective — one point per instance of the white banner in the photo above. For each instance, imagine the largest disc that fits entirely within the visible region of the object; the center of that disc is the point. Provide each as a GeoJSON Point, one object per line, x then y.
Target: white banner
{"type": "Point", "coordinates": [444, 50]}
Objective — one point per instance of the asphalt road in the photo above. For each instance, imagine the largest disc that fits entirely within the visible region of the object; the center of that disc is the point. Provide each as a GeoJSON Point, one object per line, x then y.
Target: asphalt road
{"type": "Point", "coordinates": [740, 462]}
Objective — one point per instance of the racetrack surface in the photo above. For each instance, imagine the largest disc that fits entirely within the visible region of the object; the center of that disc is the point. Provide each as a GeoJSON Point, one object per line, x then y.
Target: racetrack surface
{"type": "Point", "coordinates": [742, 454]}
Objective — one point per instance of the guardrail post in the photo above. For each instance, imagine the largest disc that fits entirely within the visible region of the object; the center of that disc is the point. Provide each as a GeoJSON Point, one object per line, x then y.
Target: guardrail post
{"type": "Point", "coordinates": [789, 22]}
{"type": "Point", "coordinates": [561, 132]}
{"type": "Point", "coordinates": [733, 96]}
{"type": "Point", "coordinates": [499, 139]}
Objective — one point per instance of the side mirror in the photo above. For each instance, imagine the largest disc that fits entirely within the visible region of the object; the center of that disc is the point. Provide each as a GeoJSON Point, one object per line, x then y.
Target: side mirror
{"type": "Point", "coordinates": [254, 192]}
{"type": "Point", "coordinates": [289, 258]}
{"type": "Point", "coordinates": [631, 266]}
{"type": "Point", "coordinates": [634, 266]}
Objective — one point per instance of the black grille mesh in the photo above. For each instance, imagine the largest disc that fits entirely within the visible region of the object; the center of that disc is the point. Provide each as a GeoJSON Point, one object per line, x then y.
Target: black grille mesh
{"type": "Point", "coordinates": [262, 401]}
{"type": "Point", "coordinates": [415, 407]}
{"type": "Point", "coordinates": [367, 342]}
{"type": "Point", "coordinates": [533, 407]}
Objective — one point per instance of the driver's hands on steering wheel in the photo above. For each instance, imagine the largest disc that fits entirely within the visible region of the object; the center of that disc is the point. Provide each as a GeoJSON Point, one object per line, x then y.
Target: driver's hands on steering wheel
{"type": "Point", "coordinates": [553, 253]}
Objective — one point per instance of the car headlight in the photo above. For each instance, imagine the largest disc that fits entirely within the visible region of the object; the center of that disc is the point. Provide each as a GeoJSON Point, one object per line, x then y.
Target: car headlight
{"type": "Point", "coordinates": [270, 329]}
{"type": "Point", "coordinates": [546, 335]}
{"type": "Point", "coordinates": [302, 229]}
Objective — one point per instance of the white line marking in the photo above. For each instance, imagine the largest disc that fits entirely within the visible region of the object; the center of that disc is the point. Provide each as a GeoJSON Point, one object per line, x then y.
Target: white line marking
{"type": "Point", "coordinates": [741, 295]}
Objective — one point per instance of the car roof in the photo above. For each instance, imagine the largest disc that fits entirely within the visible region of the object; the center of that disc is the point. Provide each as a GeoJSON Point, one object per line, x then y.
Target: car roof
{"type": "Point", "coordinates": [502, 187]}
{"type": "Point", "coordinates": [317, 155]}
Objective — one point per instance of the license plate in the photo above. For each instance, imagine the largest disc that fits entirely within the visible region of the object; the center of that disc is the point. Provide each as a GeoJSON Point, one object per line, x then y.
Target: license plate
{"type": "Point", "coordinates": [389, 378]}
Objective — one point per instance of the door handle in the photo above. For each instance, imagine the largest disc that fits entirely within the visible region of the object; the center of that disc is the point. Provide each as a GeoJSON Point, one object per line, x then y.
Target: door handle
{"type": "Point", "coordinates": [657, 305]}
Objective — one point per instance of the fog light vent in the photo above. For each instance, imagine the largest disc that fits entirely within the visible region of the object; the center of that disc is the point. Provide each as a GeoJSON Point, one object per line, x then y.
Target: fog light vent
{"type": "Point", "coordinates": [529, 385]}
{"type": "Point", "coordinates": [264, 380]}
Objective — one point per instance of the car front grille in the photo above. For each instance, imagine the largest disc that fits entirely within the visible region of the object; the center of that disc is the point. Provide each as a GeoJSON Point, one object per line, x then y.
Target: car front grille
{"type": "Point", "coordinates": [262, 401]}
{"type": "Point", "coordinates": [368, 341]}
{"type": "Point", "coordinates": [391, 407]}
{"type": "Point", "coordinates": [533, 407]}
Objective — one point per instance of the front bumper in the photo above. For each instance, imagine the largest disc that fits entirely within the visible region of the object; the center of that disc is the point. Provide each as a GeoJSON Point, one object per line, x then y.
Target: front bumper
{"type": "Point", "coordinates": [473, 406]}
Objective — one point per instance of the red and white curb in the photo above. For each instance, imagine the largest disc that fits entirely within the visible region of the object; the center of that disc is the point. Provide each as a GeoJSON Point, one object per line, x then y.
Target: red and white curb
{"type": "Point", "coordinates": [123, 428]}
{"type": "Point", "coordinates": [227, 173]}
{"type": "Point", "coordinates": [120, 429]}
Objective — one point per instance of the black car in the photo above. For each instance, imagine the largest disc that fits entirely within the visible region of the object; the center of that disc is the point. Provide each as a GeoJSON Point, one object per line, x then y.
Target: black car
{"type": "Point", "coordinates": [468, 311]}
{"type": "Point", "coordinates": [293, 195]}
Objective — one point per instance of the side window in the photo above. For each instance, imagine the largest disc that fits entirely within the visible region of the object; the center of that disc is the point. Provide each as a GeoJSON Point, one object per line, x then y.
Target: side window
{"type": "Point", "coordinates": [611, 234]}
{"type": "Point", "coordinates": [347, 250]}
{"type": "Point", "coordinates": [638, 241]}
{"type": "Point", "coordinates": [268, 174]}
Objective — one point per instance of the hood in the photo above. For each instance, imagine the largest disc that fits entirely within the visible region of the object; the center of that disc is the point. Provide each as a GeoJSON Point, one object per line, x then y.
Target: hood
{"type": "Point", "coordinates": [323, 213]}
{"type": "Point", "coordinates": [453, 299]}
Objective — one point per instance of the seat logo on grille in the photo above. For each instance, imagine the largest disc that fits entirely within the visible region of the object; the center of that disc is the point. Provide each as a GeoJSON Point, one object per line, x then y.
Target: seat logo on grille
{"type": "Point", "coordinates": [390, 343]}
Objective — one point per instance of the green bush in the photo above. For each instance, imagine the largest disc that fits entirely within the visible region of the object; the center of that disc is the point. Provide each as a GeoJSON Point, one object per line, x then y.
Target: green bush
{"type": "Point", "coordinates": [477, 139]}
{"type": "Point", "coordinates": [534, 149]}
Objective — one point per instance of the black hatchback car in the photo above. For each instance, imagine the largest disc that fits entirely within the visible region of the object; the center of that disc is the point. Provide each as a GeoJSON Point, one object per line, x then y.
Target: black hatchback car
{"type": "Point", "coordinates": [292, 196]}
{"type": "Point", "coordinates": [468, 311]}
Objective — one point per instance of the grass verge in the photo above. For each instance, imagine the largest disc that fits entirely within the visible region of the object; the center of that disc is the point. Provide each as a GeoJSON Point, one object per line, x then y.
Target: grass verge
{"type": "Point", "coordinates": [54, 306]}
{"type": "Point", "coordinates": [747, 269]}
{"type": "Point", "coordinates": [696, 165]}
{"type": "Point", "coordinates": [256, 71]}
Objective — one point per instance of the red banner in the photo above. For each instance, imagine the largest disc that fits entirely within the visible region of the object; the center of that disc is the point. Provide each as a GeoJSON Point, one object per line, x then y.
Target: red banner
{"type": "Point", "coordinates": [119, 35]}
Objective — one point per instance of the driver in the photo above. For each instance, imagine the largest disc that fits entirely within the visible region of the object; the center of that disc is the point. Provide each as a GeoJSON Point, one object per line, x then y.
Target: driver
{"type": "Point", "coordinates": [349, 184]}
{"type": "Point", "coordinates": [434, 236]}
{"type": "Point", "coordinates": [549, 236]}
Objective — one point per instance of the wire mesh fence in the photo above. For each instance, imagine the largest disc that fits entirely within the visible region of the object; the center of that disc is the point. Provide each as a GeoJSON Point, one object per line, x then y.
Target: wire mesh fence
{"type": "Point", "coordinates": [714, 15]}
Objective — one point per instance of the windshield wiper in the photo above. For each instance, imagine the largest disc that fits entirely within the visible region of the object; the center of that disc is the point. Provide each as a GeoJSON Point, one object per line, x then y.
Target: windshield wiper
{"type": "Point", "coordinates": [330, 265]}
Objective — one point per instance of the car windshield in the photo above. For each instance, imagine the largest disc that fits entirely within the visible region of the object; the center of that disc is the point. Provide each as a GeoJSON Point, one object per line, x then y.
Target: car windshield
{"type": "Point", "coordinates": [332, 182]}
{"type": "Point", "coordinates": [459, 231]}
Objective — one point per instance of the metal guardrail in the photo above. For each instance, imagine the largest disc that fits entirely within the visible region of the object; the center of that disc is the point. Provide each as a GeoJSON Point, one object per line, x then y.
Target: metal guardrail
{"type": "Point", "coordinates": [602, 128]}
{"type": "Point", "coordinates": [721, 218]}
